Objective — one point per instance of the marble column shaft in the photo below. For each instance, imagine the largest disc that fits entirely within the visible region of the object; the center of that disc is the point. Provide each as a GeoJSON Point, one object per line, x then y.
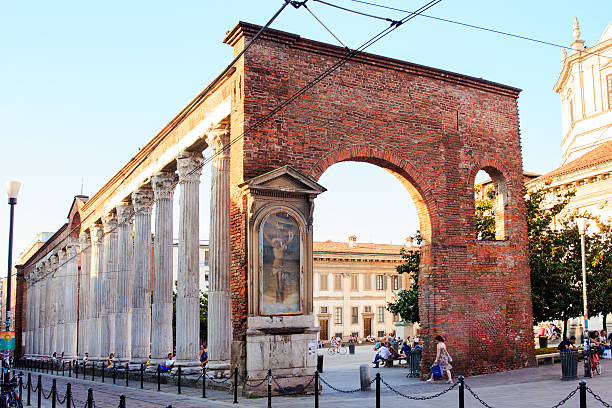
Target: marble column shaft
{"type": "Point", "coordinates": [109, 285]}
{"type": "Point", "coordinates": [125, 279]}
{"type": "Point", "coordinates": [84, 294]}
{"type": "Point", "coordinates": [43, 340]}
{"type": "Point", "coordinates": [161, 333]}
{"type": "Point", "coordinates": [59, 294]}
{"type": "Point", "coordinates": [141, 289]}
{"type": "Point", "coordinates": [52, 296]}
{"type": "Point", "coordinates": [70, 304]}
{"type": "Point", "coordinates": [219, 297]}
{"type": "Point", "coordinates": [97, 262]}
{"type": "Point", "coordinates": [188, 285]}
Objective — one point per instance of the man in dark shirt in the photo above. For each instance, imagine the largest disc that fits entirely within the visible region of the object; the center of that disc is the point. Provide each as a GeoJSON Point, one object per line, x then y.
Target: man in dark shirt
{"type": "Point", "coordinates": [568, 344]}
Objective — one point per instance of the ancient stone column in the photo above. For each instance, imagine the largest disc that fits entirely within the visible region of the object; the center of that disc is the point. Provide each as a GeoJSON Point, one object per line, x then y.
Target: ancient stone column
{"type": "Point", "coordinates": [161, 333]}
{"type": "Point", "coordinates": [188, 285]}
{"type": "Point", "coordinates": [53, 299]}
{"type": "Point", "coordinates": [28, 316]}
{"type": "Point", "coordinates": [141, 290]}
{"type": "Point", "coordinates": [109, 285]}
{"type": "Point", "coordinates": [125, 278]}
{"type": "Point", "coordinates": [42, 324]}
{"type": "Point", "coordinates": [70, 303]}
{"type": "Point", "coordinates": [97, 262]}
{"type": "Point", "coordinates": [84, 295]}
{"type": "Point", "coordinates": [219, 298]}
{"type": "Point", "coordinates": [59, 295]}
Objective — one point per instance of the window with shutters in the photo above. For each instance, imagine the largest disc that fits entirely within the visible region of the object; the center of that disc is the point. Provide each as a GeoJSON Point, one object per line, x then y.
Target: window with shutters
{"type": "Point", "coordinates": [380, 282]}
{"type": "Point", "coordinates": [367, 282]}
{"type": "Point", "coordinates": [395, 282]}
{"type": "Point", "coordinates": [367, 309]}
{"type": "Point", "coordinates": [355, 315]}
{"type": "Point", "coordinates": [381, 314]}
{"type": "Point", "coordinates": [323, 309]}
{"type": "Point", "coordinates": [609, 80]}
{"type": "Point", "coordinates": [338, 315]}
{"type": "Point", "coordinates": [323, 283]}
{"type": "Point", "coordinates": [354, 283]}
{"type": "Point", "coordinates": [338, 282]}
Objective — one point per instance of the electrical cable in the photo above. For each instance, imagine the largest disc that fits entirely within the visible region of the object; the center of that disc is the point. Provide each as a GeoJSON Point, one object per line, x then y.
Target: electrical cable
{"type": "Point", "coordinates": [324, 26]}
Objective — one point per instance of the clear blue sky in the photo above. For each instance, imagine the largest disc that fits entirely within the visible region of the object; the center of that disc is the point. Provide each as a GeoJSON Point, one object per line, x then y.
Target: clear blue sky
{"type": "Point", "coordinates": [83, 85]}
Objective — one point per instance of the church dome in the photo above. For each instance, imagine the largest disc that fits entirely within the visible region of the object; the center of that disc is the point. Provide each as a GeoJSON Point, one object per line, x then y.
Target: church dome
{"type": "Point", "coordinates": [607, 34]}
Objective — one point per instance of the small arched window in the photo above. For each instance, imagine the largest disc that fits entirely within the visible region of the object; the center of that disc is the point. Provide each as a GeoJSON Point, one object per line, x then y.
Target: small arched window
{"type": "Point", "coordinates": [490, 199]}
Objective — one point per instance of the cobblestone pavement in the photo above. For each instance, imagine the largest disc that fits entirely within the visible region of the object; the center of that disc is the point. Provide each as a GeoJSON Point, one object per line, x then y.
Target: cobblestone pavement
{"type": "Point", "coordinates": [533, 387]}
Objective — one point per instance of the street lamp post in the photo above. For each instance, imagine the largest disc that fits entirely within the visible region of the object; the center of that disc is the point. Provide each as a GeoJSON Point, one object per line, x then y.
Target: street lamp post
{"type": "Point", "coordinates": [12, 189]}
{"type": "Point", "coordinates": [582, 224]}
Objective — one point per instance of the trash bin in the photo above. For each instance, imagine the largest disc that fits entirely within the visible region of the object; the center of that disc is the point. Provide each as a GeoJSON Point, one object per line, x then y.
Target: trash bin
{"type": "Point", "coordinates": [543, 340]}
{"type": "Point", "coordinates": [351, 348]}
{"type": "Point", "coordinates": [569, 365]}
{"type": "Point", "coordinates": [320, 363]}
{"type": "Point", "coordinates": [415, 363]}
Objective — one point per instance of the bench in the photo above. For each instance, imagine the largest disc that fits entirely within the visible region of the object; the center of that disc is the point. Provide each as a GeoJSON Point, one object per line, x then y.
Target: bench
{"type": "Point", "coordinates": [391, 361]}
{"type": "Point", "coordinates": [545, 357]}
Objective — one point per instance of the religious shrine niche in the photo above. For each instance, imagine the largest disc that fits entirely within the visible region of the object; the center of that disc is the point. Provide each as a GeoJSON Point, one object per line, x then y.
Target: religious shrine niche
{"type": "Point", "coordinates": [281, 321]}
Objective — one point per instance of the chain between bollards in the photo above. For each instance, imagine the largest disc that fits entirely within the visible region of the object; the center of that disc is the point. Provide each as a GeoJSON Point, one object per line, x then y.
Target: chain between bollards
{"type": "Point", "coordinates": [582, 387]}
{"type": "Point", "coordinates": [461, 392]}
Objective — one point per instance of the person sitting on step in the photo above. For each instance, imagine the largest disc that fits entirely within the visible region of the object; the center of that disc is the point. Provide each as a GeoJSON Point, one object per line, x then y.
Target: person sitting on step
{"type": "Point", "coordinates": [168, 364]}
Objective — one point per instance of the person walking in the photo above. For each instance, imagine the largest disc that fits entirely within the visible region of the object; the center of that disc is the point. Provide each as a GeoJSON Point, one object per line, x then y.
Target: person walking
{"type": "Point", "coordinates": [443, 359]}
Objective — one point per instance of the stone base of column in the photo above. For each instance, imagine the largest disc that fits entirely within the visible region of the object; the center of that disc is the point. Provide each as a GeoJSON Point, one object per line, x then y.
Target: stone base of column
{"type": "Point", "coordinates": [187, 367]}
{"type": "Point", "coordinates": [94, 338]}
{"type": "Point", "coordinates": [123, 337]}
{"type": "Point", "coordinates": [218, 369]}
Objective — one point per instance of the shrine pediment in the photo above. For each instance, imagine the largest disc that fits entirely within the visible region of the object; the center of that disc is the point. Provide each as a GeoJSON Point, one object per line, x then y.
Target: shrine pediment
{"type": "Point", "coordinates": [284, 179]}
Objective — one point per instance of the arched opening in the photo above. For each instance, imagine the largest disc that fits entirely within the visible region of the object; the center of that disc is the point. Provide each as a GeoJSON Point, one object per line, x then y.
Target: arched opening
{"type": "Point", "coordinates": [490, 200]}
{"type": "Point", "coordinates": [362, 225]}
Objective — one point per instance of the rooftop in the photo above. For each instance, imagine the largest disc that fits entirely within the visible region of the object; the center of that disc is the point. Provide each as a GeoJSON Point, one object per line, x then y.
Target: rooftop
{"type": "Point", "coordinates": [600, 154]}
{"type": "Point", "coordinates": [359, 248]}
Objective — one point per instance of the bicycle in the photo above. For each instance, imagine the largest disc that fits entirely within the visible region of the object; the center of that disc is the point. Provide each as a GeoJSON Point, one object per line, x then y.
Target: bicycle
{"type": "Point", "coordinates": [340, 349]}
{"type": "Point", "coordinates": [594, 361]}
{"type": "Point", "coordinates": [9, 397]}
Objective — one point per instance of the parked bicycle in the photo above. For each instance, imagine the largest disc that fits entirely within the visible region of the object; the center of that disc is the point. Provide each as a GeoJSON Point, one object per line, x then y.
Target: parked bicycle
{"type": "Point", "coordinates": [338, 349]}
{"type": "Point", "coordinates": [593, 361]}
{"type": "Point", "coordinates": [9, 397]}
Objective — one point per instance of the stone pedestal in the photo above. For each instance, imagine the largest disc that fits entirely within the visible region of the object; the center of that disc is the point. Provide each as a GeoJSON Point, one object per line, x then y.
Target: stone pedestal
{"type": "Point", "coordinates": [188, 285]}
{"type": "Point", "coordinates": [219, 297]}
{"type": "Point", "coordinates": [125, 279]}
{"type": "Point", "coordinates": [161, 333]}
{"type": "Point", "coordinates": [141, 285]}
{"type": "Point", "coordinates": [97, 267]}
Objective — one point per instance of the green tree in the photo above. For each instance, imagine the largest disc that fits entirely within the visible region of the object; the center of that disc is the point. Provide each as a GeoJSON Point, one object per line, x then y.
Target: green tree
{"type": "Point", "coordinates": [484, 215]}
{"type": "Point", "coordinates": [407, 303]}
{"type": "Point", "coordinates": [203, 316]}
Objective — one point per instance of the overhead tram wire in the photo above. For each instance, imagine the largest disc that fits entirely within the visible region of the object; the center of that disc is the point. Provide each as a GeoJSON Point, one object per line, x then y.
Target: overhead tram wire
{"type": "Point", "coordinates": [324, 26]}
{"type": "Point", "coordinates": [204, 92]}
{"type": "Point", "coordinates": [347, 56]}
{"type": "Point", "coordinates": [491, 30]}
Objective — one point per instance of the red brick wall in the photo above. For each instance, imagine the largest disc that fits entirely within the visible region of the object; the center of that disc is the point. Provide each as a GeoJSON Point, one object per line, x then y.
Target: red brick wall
{"type": "Point", "coordinates": [432, 129]}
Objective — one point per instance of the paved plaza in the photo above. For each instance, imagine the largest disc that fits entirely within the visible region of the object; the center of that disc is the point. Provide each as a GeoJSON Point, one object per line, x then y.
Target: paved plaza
{"type": "Point", "coordinates": [533, 387]}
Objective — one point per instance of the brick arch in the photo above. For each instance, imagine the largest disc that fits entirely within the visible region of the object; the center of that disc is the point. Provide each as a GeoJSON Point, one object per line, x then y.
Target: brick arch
{"type": "Point", "coordinates": [418, 188]}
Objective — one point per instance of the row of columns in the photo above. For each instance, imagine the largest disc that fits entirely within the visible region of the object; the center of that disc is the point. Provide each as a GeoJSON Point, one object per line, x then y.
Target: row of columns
{"type": "Point", "coordinates": [115, 312]}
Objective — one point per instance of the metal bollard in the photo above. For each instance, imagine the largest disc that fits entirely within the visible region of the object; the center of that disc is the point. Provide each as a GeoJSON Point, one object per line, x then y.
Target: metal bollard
{"type": "Point", "coordinates": [179, 379]}
{"type": "Point", "coordinates": [236, 385]}
{"type": "Point", "coordinates": [141, 376]}
{"type": "Point", "coordinates": [316, 389]}
{"type": "Point", "coordinates": [63, 368]}
{"type": "Point", "coordinates": [93, 371]}
{"type": "Point", "coordinates": [377, 390]}
{"type": "Point", "coordinates": [90, 401]}
{"type": "Point", "coordinates": [39, 390]}
{"type": "Point", "coordinates": [20, 385]}
{"type": "Point", "coordinates": [127, 375]}
{"type": "Point", "coordinates": [68, 394]}
{"type": "Point", "coordinates": [29, 388]}
{"type": "Point", "coordinates": [114, 373]}
{"type": "Point", "coordinates": [103, 364]}
{"type": "Point", "coordinates": [203, 382]}
{"type": "Point", "coordinates": [70, 369]}
{"type": "Point", "coordinates": [158, 377]}
{"type": "Point", "coordinates": [269, 388]}
{"type": "Point", "coordinates": [122, 401]}
{"type": "Point", "coordinates": [582, 386]}
{"type": "Point", "coordinates": [461, 392]}
{"type": "Point", "coordinates": [53, 393]}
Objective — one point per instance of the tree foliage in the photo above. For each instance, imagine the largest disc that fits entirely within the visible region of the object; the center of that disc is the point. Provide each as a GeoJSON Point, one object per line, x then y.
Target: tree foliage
{"type": "Point", "coordinates": [484, 214]}
{"type": "Point", "coordinates": [203, 316]}
{"type": "Point", "coordinates": [407, 303]}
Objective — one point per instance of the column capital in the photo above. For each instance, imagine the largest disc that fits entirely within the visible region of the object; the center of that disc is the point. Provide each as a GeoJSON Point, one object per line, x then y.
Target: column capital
{"type": "Point", "coordinates": [188, 166]}
{"type": "Point", "coordinates": [54, 261]}
{"type": "Point", "coordinates": [162, 183]}
{"type": "Point", "coordinates": [96, 234]}
{"type": "Point", "coordinates": [217, 139]}
{"type": "Point", "coordinates": [84, 239]}
{"type": "Point", "coordinates": [125, 211]}
{"type": "Point", "coordinates": [141, 199]}
{"type": "Point", "coordinates": [109, 223]}
{"type": "Point", "coordinates": [72, 249]}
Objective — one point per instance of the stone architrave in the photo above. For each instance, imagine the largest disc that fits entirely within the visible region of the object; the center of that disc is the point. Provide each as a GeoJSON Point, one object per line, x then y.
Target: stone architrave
{"type": "Point", "coordinates": [84, 295]}
{"type": "Point", "coordinates": [219, 296]}
{"type": "Point", "coordinates": [188, 285]}
{"type": "Point", "coordinates": [125, 262]}
{"type": "Point", "coordinates": [97, 267]}
{"type": "Point", "coordinates": [53, 298]}
{"type": "Point", "coordinates": [109, 285]}
{"type": "Point", "coordinates": [59, 294]}
{"type": "Point", "coordinates": [70, 303]}
{"type": "Point", "coordinates": [141, 291]}
{"type": "Point", "coordinates": [161, 333]}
